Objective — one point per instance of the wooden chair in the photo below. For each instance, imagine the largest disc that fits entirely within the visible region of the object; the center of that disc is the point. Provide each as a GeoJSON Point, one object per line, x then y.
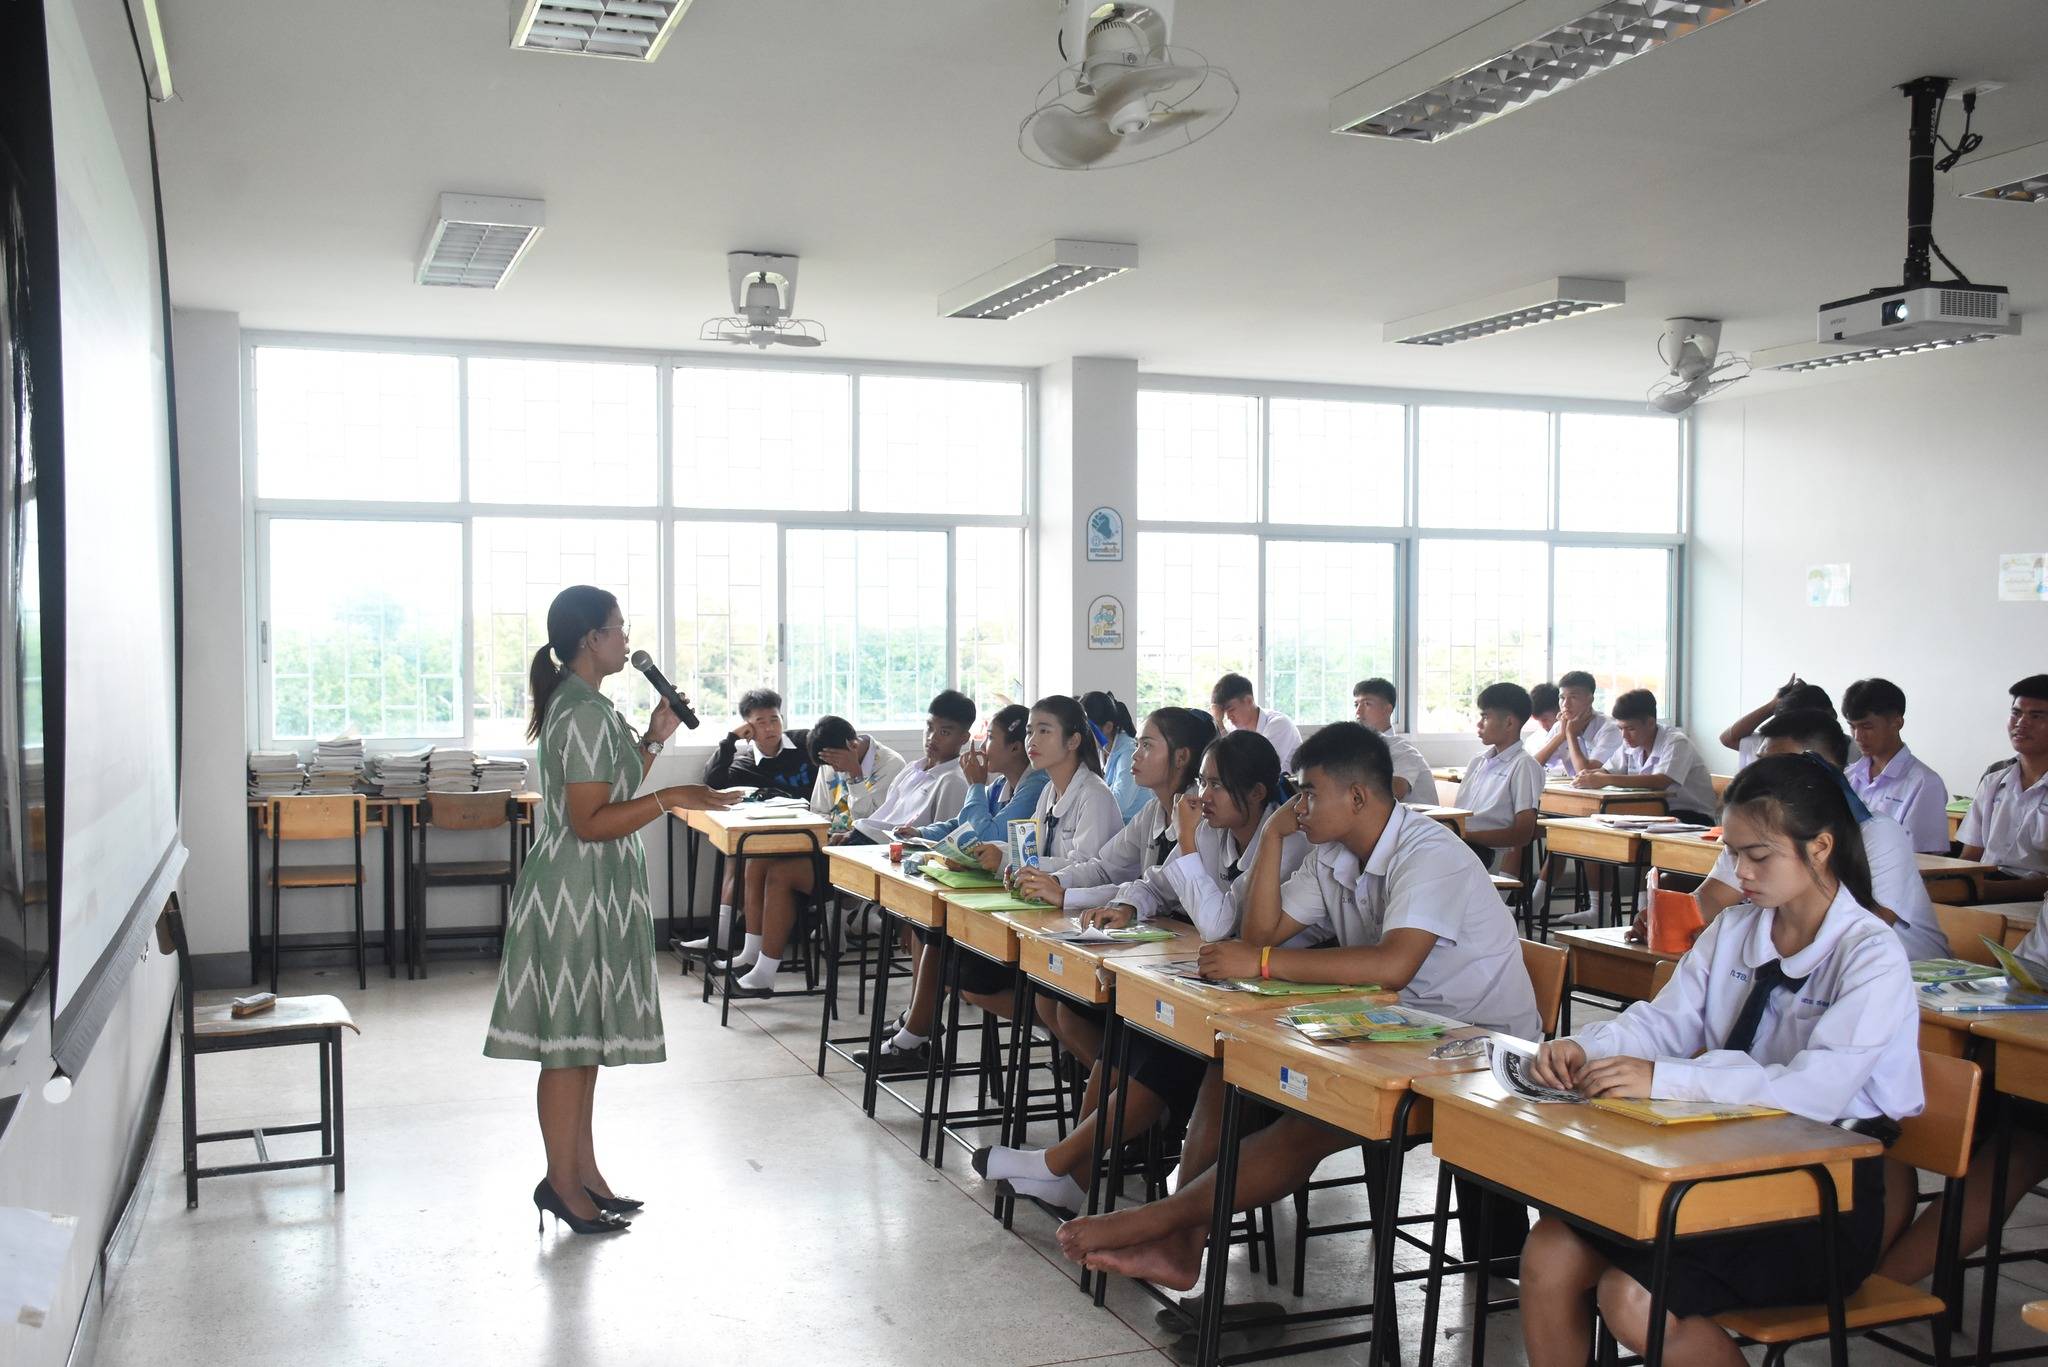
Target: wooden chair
{"type": "Point", "coordinates": [1721, 782]}
{"type": "Point", "coordinates": [214, 1030]}
{"type": "Point", "coordinates": [1966, 929]}
{"type": "Point", "coordinates": [1938, 1140]}
{"type": "Point", "coordinates": [337, 816]}
{"type": "Point", "coordinates": [461, 812]}
{"type": "Point", "coordinates": [2035, 1313]}
{"type": "Point", "coordinates": [1546, 965]}
{"type": "Point", "coordinates": [1661, 975]}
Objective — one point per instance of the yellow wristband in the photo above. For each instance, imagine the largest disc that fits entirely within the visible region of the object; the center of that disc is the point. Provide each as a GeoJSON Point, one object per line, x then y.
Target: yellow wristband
{"type": "Point", "coordinates": [1265, 962]}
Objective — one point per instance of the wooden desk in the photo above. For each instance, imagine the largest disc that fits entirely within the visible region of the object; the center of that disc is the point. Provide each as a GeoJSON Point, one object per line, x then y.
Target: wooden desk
{"type": "Point", "coordinates": [1953, 881]}
{"type": "Point", "coordinates": [1584, 838]}
{"type": "Point", "coordinates": [1079, 972]}
{"type": "Point", "coordinates": [1955, 823]}
{"type": "Point", "coordinates": [1561, 799]}
{"type": "Point", "coordinates": [1454, 817]}
{"type": "Point", "coordinates": [734, 830]}
{"type": "Point", "coordinates": [2018, 1071]}
{"type": "Point", "coordinates": [2020, 919]}
{"type": "Point", "coordinates": [1683, 853]}
{"type": "Point", "coordinates": [1606, 962]}
{"type": "Point", "coordinates": [1615, 1173]}
{"type": "Point", "coordinates": [1448, 784]}
{"type": "Point", "coordinates": [984, 932]}
{"type": "Point", "coordinates": [1946, 1032]}
{"type": "Point", "coordinates": [856, 870]}
{"type": "Point", "coordinates": [1186, 1014]}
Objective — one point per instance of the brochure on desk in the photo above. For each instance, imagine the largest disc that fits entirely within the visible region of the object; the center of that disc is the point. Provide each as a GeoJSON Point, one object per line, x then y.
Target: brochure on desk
{"type": "Point", "coordinates": [1513, 1068]}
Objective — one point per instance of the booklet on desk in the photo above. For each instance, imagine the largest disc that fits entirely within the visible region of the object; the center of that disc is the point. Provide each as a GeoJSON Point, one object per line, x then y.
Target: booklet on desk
{"type": "Point", "coordinates": [2025, 973]}
{"type": "Point", "coordinates": [1973, 995]}
{"type": "Point", "coordinates": [1335, 1022]}
{"type": "Point", "coordinates": [1514, 1058]}
{"type": "Point", "coordinates": [1951, 970]}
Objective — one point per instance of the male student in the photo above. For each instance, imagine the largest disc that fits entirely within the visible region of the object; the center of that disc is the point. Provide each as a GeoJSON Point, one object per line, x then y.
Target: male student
{"type": "Point", "coordinates": [854, 776]}
{"type": "Point", "coordinates": [1582, 735]}
{"type": "Point", "coordinates": [1795, 694]}
{"type": "Point", "coordinates": [1542, 716]}
{"type": "Point", "coordinates": [1889, 777]}
{"type": "Point", "coordinates": [1235, 709]}
{"type": "Point", "coordinates": [2008, 820]}
{"type": "Point", "coordinates": [1372, 702]}
{"type": "Point", "coordinates": [1503, 784]}
{"type": "Point", "coordinates": [1410, 908]}
{"type": "Point", "coordinates": [933, 787]}
{"type": "Point", "coordinates": [759, 753]}
{"type": "Point", "coordinates": [1661, 759]}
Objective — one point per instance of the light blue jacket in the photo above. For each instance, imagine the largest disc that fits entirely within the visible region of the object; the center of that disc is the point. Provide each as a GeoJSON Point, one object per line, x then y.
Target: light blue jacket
{"type": "Point", "coordinates": [991, 822]}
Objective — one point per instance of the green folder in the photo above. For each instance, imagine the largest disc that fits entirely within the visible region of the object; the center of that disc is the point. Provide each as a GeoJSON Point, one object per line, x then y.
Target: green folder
{"type": "Point", "coordinates": [962, 878]}
{"type": "Point", "coordinates": [997, 901]}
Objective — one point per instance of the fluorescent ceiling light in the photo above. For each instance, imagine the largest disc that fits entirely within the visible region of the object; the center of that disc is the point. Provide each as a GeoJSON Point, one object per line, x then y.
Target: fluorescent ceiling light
{"type": "Point", "coordinates": [1538, 303]}
{"type": "Point", "coordinates": [1801, 357]}
{"type": "Point", "coordinates": [156, 62]}
{"type": "Point", "coordinates": [632, 29]}
{"type": "Point", "coordinates": [1037, 278]}
{"type": "Point", "coordinates": [1530, 49]}
{"type": "Point", "coordinates": [2017, 177]}
{"type": "Point", "coordinates": [475, 242]}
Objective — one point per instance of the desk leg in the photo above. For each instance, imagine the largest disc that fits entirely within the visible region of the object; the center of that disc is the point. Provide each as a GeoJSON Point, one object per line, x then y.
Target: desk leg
{"type": "Point", "coordinates": [255, 906]}
{"type": "Point", "coordinates": [1107, 1172]}
{"type": "Point", "coordinates": [731, 974]}
{"type": "Point", "coordinates": [1216, 1284]}
{"type": "Point", "coordinates": [1988, 1311]}
{"type": "Point", "coordinates": [712, 949]}
{"type": "Point", "coordinates": [390, 892]}
{"type": "Point", "coordinates": [937, 1049]}
{"type": "Point", "coordinates": [890, 927]}
{"type": "Point", "coordinates": [1016, 1118]}
{"type": "Point", "coordinates": [1385, 1328]}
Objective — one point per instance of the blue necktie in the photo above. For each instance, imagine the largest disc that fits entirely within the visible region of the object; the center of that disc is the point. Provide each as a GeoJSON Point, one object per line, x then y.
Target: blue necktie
{"type": "Point", "coordinates": [1769, 978]}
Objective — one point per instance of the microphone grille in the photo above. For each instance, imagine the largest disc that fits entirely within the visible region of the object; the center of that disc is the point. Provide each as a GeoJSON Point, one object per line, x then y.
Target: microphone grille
{"type": "Point", "coordinates": [642, 660]}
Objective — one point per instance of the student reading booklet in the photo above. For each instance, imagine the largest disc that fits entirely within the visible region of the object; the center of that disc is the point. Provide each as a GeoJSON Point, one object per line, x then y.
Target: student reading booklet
{"type": "Point", "coordinates": [1514, 1058]}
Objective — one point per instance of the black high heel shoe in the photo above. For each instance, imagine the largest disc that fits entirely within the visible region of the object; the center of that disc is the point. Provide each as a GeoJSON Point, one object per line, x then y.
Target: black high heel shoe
{"type": "Point", "coordinates": [616, 1205]}
{"type": "Point", "coordinates": [546, 1199]}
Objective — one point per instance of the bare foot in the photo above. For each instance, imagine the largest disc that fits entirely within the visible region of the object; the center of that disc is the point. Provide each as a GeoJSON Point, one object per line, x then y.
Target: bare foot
{"type": "Point", "coordinates": [1174, 1261]}
{"type": "Point", "coordinates": [1119, 1229]}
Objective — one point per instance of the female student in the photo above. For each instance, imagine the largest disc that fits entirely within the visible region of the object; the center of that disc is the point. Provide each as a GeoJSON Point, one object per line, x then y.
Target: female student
{"type": "Point", "coordinates": [1110, 723]}
{"type": "Point", "coordinates": [1220, 823]}
{"type": "Point", "coordinates": [1001, 784]}
{"type": "Point", "coordinates": [1797, 998]}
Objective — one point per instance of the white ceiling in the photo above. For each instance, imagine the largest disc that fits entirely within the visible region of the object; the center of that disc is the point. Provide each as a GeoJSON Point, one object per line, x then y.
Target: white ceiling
{"type": "Point", "coordinates": [1748, 172]}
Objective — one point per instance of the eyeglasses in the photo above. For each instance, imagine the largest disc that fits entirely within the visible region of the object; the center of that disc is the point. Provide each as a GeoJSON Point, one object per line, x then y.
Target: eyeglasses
{"type": "Point", "coordinates": [1205, 784]}
{"type": "Point", "coordinates": [621, 628]}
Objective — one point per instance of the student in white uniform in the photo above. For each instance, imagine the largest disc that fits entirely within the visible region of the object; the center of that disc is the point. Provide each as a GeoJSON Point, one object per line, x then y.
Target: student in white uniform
{"type": "Point", "coordinates": [1219, 826]}
{"type": "Point", "coordinates": [1660, 759]}
{"type": "Point", "coordinates": [1887, 850]}
{"type": "Point", "coordinates": [1889, 777]}
{"type": "Point", "coordinates": [1372, 703]}
{"type": "Point", "coordinates": [933, 786]}
{"type": "Point", "coordinates": [1542, 716]}
{"type": "Point", "coordinates": [1410, 908]}
{"type": "Point", "coordinates": [2008, 820]}
{"type": "Point", "coordinates": [1798, 998]}
{"type": "Point", "coordinates": [1583, 734]}
{"type": "Point", "coordinates": [1235, 708]}
{"type": "Point", "coordinates": [1503, 784]}
{"type": "Point", "coordinates": [1117, 737]}
{"type": "Point", "coordinates": [1794, 695]}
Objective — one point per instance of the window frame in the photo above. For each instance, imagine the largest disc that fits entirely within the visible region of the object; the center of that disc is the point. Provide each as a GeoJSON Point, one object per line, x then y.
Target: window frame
{"type": "Point", "coordinates": [1407, 536]}
{"type": "Point", "coordinates": [665, 512]}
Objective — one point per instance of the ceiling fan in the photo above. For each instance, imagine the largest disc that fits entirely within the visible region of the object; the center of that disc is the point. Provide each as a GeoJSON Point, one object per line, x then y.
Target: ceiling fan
{"type": "Point", "coordinates": [763, 295]}
{"type": "Point", "coordinates": [1128, 95]}
{"type": "Point", "coordinates": [1699, 368]}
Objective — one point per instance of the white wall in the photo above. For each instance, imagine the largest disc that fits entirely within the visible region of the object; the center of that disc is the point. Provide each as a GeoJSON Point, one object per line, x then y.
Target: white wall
{"type": "Point", "coordinates": [1088, 459]}
{"type": "Point", "coordinates": [1917, 472]}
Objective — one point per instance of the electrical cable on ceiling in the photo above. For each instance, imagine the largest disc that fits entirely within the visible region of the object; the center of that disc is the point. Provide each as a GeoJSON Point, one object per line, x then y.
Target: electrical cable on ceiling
{"type": "Point", "coordinates": [1957, 150]}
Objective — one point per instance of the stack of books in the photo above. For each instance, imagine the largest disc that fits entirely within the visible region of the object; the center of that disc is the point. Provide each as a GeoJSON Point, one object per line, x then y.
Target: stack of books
{"type": "Point", "coordinates": [337, 766]}
{"type": "Point", "coordinates": [451, 771]}
{"type": "Point", "coordinates": [500, 773]}
{"type": "Point", "coordinates": [401, 774]}
{"type": "Point", "coordinates": [275, 773]}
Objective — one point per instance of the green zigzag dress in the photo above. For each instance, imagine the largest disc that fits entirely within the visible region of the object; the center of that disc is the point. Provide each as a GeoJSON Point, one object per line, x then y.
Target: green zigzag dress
{"type": "Point", "coordinates": [577, 984]}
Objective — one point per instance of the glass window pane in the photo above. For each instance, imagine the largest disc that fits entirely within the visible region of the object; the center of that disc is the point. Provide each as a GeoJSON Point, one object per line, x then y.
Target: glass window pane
{"type": "Point", "coordinates": [1329, 623]}
{"type": "Point", "coordinates": [1196, 454]}
{"type": "Point", "coordinates": [561, 432]}
{"type": "Point", "coordinates": [762, 439]}
{"type": "Point", "coordinates": [1617, 474]}
{"type": "Point", "coordinates": [1484, 467]}
{"type": "Point", "coordinates": [1614, 618]}
{"type": "Point", "coordinates": [726, 613]}
{"type": "Point", "coordinates": [518, 566]}
{"type": "Point", "coordinates": [1197, 615]}
{"type": "Point", "coordinates": [941, 446]}
{"type": "Point", "coordinates": [989, 590]}
{"type": "Point", "coordinates": [365, 628]}
{"type": "Point", "coordinates": [867, 625]}
{"type": "Point", "coordinates": [355, 424]}
{"type": "Point", "coordinates": [1484, 621]}
{"type": "Point", "coordinates": [1335, 463]}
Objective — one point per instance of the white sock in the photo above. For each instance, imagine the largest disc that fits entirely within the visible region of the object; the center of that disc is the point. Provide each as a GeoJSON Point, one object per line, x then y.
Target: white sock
{"type": "Point", "coordinates": [749, 953]}
{"type": "Point", "coordinates": [719, 936]}
{"type": "Point", "coordinates": [907, 1039]}
{"type": "Point", "coordinates": [1541, 893]}
{"type": "Point", "coordinates": [1028, 1164]}
{"type": "Point", "coordinates": [762, 974]}
{"type": "Point", "coordinates": [1062, 1193]}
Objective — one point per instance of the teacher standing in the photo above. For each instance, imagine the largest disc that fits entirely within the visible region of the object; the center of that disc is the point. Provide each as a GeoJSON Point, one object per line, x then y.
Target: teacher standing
{"type": "Point", "coordinates": [577, 986]}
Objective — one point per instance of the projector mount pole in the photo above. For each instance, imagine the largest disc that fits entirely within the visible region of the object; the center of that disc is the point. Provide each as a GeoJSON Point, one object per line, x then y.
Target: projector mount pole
{"type": "Point", "coordinates": [1926, 94]}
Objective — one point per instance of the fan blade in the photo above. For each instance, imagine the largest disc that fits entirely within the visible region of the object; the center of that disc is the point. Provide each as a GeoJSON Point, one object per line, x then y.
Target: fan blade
{"type": "Point", "coordinates": [1070, 139]}
{"type": "Point", "coordinates": [797, 339]}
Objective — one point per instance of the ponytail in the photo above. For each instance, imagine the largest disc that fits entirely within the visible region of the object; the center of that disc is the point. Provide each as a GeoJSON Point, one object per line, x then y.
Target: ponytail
{"type": "Point", "coordinates": [576, 612]}
{"type": "Point", "coordinates": [541, 679]}
{"type": "Point", "coordinates": [1072, 721]}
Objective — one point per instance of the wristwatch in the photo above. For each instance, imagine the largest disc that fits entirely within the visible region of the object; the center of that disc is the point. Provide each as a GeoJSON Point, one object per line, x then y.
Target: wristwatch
{"type": "Point", "coordinates": [650, 746]}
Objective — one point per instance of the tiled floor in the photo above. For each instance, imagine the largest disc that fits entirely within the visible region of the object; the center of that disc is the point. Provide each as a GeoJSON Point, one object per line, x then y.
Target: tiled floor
{"type": "Point", "coordinates": [782, 1226]}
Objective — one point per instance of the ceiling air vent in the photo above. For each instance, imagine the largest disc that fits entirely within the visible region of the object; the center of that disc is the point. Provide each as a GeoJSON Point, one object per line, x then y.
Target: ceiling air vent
{"type": "Point", "coordinates": [476, 241]}
{"type": "Point", "coordinates": [629, 29]}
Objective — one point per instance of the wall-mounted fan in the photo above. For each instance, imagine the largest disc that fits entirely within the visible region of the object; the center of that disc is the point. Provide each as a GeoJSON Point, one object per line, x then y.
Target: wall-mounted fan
{"type": "Point", "coordinates": [1128, 95]}
{"type": "Point", "coordinates": [1699, 368]}
{"type": "Point", "coordinates": [763, 295]}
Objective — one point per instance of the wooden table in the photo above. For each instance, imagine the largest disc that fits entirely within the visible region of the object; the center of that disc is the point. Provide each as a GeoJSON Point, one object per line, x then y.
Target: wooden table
{"type": "Point", "coordinates": [1448, 783]}
{"type": "Point", "coordinates": [1948, 880]}
{"type": "Point", "coordinates": [1363, 1089]}
{"type": "Point", "coordinates": [2020, 919]}
{"type": "Point", "coordinates": [1953, 881]}
{"type": "Point", "coordinates": [2018, 1073]}
{"type": "Point", "coordinates": [1955, 823]}
{"type": "Point", "coordinates": [1454, 817]}
{"type": "Point", "coordinates": [1608, 964]}
{"type": "Point", "coordinates": [1561, 799]}
{"type": "Point", "coordinates": [739, 834]}
{"type": "Point", "coordinates": [1596, 842]}
{"type": "Point", "coordinates": [1641, 1182]}
{"type": "Point", "coordinates": [857, 871]}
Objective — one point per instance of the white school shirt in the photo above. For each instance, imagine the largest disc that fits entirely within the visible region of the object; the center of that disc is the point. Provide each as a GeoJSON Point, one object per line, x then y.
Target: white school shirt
{"type": "Point", "coordinates": [1421, 876]}
{"type": "Point", "coordinates": [1087, 815]}
{"type": "Point", "coordinates": [866, 790]}
{"type": "Point", "coordinates": [1895, 882]}
{"type": "Point", "coordinates": [1125, 859]}
{"type": "Point", "coordinates": [2009, 822]}
{"type": "Point", "coordinates": [1499, 786]}
{"type": "Point", "coordinates": [1600, 740]}
{"type": "Point", "coordinates": [1843, 1046]}
{"type": "Point", "coordinates": [1275, 727]}
{"type": "Point", "coordinates": [1213, 896]}
{"type": "Point", "coordinates": [2035, 946]}
{"type": "Point", "coordinates": [1409, 764]}
{"type": "Point", "coordinates": [922, 793]}
{"type": "Point", "coordinates": [1671, 752]}
{"type": "Point", "coordinates": [1909, 793]}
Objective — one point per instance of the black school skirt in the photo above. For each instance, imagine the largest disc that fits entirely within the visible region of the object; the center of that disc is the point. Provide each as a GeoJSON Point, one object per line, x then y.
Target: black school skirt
{"type": "Point", "coordinates": [1760, 1268]}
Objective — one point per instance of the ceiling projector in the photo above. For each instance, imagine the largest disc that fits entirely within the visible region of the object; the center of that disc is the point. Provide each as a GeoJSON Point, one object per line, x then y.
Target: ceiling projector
{"type": "Point", "coordinates": [1906, 314]}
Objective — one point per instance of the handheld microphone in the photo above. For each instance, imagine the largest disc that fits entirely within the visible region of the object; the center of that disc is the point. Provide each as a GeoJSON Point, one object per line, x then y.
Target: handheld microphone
{"type": "Point", "coordinates": [644, 662]}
